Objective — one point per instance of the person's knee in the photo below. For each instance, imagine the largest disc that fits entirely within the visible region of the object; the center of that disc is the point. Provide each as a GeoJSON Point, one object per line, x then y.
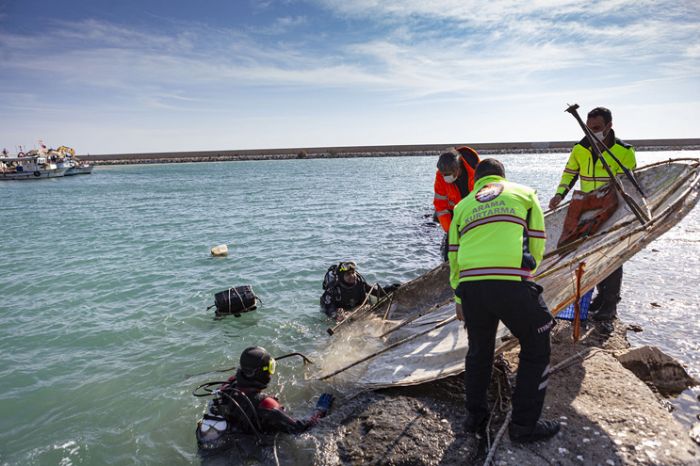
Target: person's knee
{"type": "Point", "coordinates": [536, 346]}
{"type": "Point", "coordinates": [480, 354]}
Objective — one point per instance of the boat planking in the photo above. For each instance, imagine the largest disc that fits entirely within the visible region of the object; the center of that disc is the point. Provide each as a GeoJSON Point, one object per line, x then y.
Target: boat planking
{"type": "Point", "coordinates": [412, 335]}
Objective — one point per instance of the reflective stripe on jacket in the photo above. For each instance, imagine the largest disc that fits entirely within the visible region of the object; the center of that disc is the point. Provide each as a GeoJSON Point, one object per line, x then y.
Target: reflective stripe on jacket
{"type": "Point", "coordinates": [447, 195]}
{"type": "Point", "coordinates": [497, 233]}
{"type": "Point", "coordinates": [593, 175]}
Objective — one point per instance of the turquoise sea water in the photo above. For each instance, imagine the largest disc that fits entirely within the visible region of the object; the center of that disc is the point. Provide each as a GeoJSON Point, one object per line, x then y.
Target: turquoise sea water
{"type": "Point", "coordinates": [105, 280]}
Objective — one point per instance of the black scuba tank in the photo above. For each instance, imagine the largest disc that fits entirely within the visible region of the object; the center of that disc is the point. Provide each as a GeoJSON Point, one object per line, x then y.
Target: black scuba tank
{"type": "Point", "coordinates": [331, 277]}
{"type": "Point", "coordinates": [230, 416]}
{"type": "Point", "coordinates": [236, 301]}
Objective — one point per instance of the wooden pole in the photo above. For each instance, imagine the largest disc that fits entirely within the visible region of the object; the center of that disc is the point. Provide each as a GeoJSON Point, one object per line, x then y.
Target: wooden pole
{"type": "Point", "coordinates": [577, 303]}
{"type": "Point", "coordinates": [641, 215]}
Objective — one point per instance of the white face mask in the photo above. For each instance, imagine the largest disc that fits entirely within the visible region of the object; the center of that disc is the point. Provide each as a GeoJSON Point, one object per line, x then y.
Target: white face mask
{"type": "Point", "coordinates": [450, 179]}
{"type": "Point", "coordinates": [600, 135]}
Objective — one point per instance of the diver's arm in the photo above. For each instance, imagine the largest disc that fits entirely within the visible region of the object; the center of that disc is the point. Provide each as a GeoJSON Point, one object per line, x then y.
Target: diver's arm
{"type": "Point", "coordinates": [274, 419]}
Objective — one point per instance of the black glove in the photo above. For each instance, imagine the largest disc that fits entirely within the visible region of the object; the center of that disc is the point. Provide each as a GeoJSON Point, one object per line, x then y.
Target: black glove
{"type": "Point", "coordinates": [324, 404]}
{"type": "Point", "coordinates": [391, 288]}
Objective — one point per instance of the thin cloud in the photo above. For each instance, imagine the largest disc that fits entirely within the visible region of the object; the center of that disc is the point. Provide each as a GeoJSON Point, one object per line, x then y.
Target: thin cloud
{"type": "Point", "coordinates": [497, 48]}
{"type": "Point", "coordinates": [286, 22]}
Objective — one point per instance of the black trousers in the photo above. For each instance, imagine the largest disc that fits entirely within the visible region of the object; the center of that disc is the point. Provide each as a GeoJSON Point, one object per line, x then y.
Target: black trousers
{"type": "Point", "coordinates": [519, 305]}
{"type": "Point", "coordinates": [609, 289]}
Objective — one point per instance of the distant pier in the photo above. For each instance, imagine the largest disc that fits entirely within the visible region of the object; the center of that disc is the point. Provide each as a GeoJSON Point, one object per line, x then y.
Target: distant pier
{"type": "Point", "coordinates": [489, 148]}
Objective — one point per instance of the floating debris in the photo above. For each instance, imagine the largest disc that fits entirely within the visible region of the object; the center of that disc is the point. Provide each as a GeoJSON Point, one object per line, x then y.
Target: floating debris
{"type": "Point", "coordinates": [219, 251]}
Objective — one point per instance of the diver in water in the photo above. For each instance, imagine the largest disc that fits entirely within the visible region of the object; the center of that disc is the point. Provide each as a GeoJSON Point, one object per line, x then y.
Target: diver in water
{"type": "Point", "coordinates": [344, 289]}
{"type": "Point", "coordinates": [240, 407]}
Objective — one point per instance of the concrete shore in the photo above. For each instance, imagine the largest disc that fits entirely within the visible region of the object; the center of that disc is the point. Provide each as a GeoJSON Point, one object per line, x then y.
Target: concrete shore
{"type": "Point", "coordinates": [609, 416]}
{"type": "Point", "coordinates": [370, 151]}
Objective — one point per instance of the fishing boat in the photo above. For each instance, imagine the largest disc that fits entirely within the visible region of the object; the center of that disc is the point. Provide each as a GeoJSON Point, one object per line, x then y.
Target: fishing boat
{"type": "Point", "coordinates": [412, 336]}
{"type": "Point", "coordinates": [66, 157]}
{"type": "Point", "coordinates": [77, 167]}
{"type": "Point", "coordinates": [29, 167]}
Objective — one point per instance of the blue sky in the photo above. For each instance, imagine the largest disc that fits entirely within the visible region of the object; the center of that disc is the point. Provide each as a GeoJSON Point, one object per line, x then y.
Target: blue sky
{"type": "Point", "coordinates": [170, 75]}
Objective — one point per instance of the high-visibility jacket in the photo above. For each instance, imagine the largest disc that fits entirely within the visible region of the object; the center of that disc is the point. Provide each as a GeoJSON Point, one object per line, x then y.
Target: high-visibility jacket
{"type": "Point", "coordinates": [447, 195]}
{"type": "Point", "coordinates": [497, 233]}
{"type": "Point", "coordinates": [592, 173]}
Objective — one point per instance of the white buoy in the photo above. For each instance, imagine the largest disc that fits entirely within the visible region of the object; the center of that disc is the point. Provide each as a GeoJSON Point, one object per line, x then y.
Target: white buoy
{"type": "Point", "coordinates": [219, 251]}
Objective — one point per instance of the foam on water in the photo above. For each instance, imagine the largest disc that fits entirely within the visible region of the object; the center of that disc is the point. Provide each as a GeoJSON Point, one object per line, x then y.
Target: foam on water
{"type": "Point", "coordinates": [105, 279]}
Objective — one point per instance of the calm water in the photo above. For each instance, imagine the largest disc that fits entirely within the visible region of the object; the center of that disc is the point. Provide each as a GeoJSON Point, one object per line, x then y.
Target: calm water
{"type": "Point", "coordinates": [105, 281]}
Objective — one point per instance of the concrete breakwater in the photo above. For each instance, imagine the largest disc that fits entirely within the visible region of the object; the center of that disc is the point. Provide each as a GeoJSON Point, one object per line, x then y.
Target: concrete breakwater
{"type": "Point", "coordinates": [608, 414]}
{"type": "Point", "coordinates": [370, 151]}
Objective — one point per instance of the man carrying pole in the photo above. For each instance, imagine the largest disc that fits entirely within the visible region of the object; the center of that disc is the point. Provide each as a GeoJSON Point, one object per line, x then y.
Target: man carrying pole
{"type": "Point", "coordinates": [496, 242]}
{"type": "Point", "coordinates": [584, 163]}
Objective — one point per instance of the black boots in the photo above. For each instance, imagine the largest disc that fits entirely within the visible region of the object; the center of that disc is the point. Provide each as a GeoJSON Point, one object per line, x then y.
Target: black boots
{"type": "Point", "coordinates": [540, 431]}
{"type": "Point", "coordinates": [606, 313]}
{"type": "Point", "coordinates": [474, 425]}
{"type": "Point", "coordinates": [596, 303]}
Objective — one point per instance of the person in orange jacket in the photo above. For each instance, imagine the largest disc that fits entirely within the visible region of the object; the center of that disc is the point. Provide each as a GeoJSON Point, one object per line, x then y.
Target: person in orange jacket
{"type": "Point", "coordinates": [454, 179]}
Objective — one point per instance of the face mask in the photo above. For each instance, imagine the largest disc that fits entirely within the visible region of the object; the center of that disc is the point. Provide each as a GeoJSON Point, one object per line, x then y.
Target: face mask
{"type": "Point", "coordinates": [600, 135]}
{"type": "Point", "coordinates": [450, 179]}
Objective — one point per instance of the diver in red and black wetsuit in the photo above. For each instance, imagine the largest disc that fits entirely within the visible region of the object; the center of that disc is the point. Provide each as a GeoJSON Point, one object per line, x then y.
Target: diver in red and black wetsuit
{"type": "Point", "coordinates": [240, 407]}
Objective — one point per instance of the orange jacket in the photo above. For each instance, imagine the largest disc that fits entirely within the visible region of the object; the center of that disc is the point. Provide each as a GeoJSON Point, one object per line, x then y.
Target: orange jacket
{"type": "Point", "coordinates": [447, 195]}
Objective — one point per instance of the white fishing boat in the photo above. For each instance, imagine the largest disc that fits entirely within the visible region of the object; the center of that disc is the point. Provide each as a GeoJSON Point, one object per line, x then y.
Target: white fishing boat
{"type": "Point", "coordinates": [29, 167]}
{"type": "Point", "coordinates": [76, 167]}
{"type": "Point", "coordinates": [412, 336]}
{"type": "Point", "coordinates": [65, 157]}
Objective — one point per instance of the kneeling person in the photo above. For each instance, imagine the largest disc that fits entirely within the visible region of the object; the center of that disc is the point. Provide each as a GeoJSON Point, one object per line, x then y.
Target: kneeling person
{"type": "Point", "coordinates": [496, 242]}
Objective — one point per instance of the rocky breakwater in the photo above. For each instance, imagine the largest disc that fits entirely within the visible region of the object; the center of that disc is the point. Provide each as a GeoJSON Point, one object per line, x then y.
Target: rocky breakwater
{"type": "Point", "coordinates": [609, 415]}
{"type": "Point", "coordinates": [367, 151]}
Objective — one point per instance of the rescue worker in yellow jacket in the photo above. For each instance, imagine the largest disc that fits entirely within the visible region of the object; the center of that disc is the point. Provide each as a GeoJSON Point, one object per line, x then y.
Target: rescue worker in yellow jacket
{"type": "Point", "coordinates": [496, 242]}
{"type": "Point", "coordinates": [584, 164]}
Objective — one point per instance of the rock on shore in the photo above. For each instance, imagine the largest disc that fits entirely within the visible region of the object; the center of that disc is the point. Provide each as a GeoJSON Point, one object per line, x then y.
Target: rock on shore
{"type": "Point", "coordinates": [609, 417]}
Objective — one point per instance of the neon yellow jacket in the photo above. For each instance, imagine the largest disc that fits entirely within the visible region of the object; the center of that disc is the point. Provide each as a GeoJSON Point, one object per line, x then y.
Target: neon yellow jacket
{"type": "Point", "coordinates": [497, 233]}
{"type": "Point", "coordinates": [593, 175]}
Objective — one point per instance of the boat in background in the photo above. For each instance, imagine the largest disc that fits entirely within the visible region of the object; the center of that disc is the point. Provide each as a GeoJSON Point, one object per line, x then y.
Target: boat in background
{"type": "Point", "coordinates": [42, 163]}
{"type": "Point", "coordinates": [66, 157]}
{"type": "Point", "coordinates": [79, 168]}
{"type": "Point", "coordinates": [32, 167]}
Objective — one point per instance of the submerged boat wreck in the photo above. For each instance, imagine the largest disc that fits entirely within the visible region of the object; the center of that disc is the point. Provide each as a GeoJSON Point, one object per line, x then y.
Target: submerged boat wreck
{"type": "Point", "coordinates": [412, 336]}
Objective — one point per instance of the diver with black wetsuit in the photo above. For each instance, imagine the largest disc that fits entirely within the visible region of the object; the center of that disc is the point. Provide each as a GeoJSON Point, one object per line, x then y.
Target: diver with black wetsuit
{"type": "Point", "coordinates": [240, 407]}
{"type": "Point", "coordinates": [345, 289]}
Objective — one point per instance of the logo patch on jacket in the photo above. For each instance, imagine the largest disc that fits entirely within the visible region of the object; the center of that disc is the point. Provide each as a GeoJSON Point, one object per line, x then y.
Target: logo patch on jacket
{"type": "Point", "coordinates": [489, 192]}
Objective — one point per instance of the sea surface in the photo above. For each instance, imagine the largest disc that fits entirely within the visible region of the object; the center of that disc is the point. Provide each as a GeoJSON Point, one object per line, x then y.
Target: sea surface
{"type": "Point", "coordinates": [105, 281]}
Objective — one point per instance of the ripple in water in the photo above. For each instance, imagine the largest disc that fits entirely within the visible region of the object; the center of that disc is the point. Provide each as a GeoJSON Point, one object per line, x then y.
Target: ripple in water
{"type": "Point", "coordinates": [106, 278]}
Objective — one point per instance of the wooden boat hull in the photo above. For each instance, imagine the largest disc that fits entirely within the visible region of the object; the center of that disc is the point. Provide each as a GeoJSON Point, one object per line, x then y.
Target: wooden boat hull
{"type": "Point", "coordinates": [672, 189]}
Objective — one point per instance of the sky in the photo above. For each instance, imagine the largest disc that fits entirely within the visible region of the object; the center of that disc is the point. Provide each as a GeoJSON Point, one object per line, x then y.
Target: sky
{"type": "Point", "coordinates": [128, 76]}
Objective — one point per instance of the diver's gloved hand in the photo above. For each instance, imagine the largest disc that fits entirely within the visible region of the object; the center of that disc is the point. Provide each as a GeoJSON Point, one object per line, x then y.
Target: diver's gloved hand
{"type": "Point", "coordinates": [391, 288]}
{"type": "Point", "coordinates": [324, 404]}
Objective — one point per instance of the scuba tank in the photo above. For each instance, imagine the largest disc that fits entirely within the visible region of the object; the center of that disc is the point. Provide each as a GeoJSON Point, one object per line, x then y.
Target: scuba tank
{"type": "Point", "coordinates": [236, 301]}
{"type": "Point", "coordinates": [212, 431]}
{"type": "Point", "coordinates": [331, 277]}
{"type": "Point", "coordinates": [219, 426]}
{"type": "Point", "coordinates": [231, 415]}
